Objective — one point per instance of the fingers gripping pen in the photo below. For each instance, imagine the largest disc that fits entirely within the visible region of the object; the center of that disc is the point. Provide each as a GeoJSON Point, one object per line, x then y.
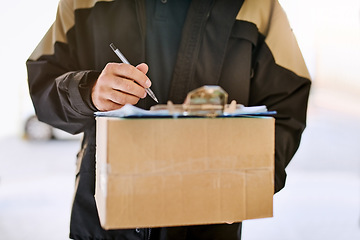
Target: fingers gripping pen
{"type": "Point", "coordinates": [124, 60]}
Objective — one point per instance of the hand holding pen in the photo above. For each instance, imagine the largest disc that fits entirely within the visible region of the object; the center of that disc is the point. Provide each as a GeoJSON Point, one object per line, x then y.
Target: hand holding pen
{"type": "Point", "coordinates": [124, 60]}
{"type": "Point", "coordinates": [120, 84]}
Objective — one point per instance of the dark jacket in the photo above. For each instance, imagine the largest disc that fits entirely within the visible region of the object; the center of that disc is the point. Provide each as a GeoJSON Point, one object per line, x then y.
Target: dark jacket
{"type": "Point", "coordinates": [247, 48]}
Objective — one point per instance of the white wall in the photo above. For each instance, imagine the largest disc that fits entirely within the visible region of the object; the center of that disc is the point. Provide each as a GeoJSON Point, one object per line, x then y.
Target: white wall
{"type": "Point", "coordinates": [22, 23]}
{"type": "Point", "coordinates": [328, 32]}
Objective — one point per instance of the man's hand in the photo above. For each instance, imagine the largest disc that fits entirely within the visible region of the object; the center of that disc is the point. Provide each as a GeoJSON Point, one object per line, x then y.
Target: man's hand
{"type": "Point", "coordinates": [119, 84]}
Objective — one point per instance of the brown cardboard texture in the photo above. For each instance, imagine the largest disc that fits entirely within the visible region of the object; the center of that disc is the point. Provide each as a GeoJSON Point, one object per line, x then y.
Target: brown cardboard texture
{"type": "Point", "coordinates": [186, 171]}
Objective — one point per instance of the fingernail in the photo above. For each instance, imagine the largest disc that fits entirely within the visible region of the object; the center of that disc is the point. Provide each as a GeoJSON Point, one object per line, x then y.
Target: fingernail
{"type": "Point", "coordinates": [148, 83]}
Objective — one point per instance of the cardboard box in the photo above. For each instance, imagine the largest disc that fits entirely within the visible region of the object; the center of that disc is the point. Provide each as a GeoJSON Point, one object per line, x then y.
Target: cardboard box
{"type": "Point", "coordinates": [187, 171]}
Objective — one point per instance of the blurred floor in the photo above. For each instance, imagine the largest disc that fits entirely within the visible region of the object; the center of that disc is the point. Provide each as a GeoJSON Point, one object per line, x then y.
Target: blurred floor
{"type": "Point", "coordinates": [321, 199]}
{"type": "Point", "coordinates": [36, 188]}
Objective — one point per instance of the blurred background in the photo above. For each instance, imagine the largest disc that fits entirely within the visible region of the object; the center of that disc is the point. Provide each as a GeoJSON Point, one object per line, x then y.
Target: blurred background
{"type": "Point", "coordinates": [322, 197]}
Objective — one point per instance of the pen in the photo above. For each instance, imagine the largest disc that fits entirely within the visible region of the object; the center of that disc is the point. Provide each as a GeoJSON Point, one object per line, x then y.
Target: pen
{"type": "Point", "coordinates": [124, 60]}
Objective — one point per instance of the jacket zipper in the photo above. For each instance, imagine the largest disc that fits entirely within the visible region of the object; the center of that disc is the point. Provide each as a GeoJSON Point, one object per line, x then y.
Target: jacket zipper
{"type": "Point", "coordinates": [204, 22]}
{"type": "Point", "coordinates": [141, 13]}
{"type": "Point", "coordinates": [149, 235]}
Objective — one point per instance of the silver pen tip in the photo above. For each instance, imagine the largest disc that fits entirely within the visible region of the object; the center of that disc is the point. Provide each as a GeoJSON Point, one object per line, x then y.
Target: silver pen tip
{"type": "Point", "coordinates": [151, 94]}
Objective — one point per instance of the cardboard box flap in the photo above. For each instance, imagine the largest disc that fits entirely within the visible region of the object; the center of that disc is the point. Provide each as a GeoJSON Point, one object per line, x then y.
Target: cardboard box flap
{"type": "Point", "coordinates": [163, 146]}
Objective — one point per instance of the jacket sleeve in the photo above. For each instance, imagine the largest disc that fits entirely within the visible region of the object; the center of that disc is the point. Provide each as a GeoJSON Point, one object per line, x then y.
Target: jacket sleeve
{"type": "Point", "coordinates": [281, 82]}
{"type": "Point", "coordinates": [283, 91]}
{"type": "Point", "coordinates": [59, 90]}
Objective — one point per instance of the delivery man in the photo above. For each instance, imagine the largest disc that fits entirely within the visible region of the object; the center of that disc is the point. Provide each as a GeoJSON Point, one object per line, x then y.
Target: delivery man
{"type": "Point", "coordinates": [246, 47]}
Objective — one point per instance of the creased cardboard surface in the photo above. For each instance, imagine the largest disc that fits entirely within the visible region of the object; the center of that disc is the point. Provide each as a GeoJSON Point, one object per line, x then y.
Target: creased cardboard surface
{"type": "Point", "coordinates": [170, 172]}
